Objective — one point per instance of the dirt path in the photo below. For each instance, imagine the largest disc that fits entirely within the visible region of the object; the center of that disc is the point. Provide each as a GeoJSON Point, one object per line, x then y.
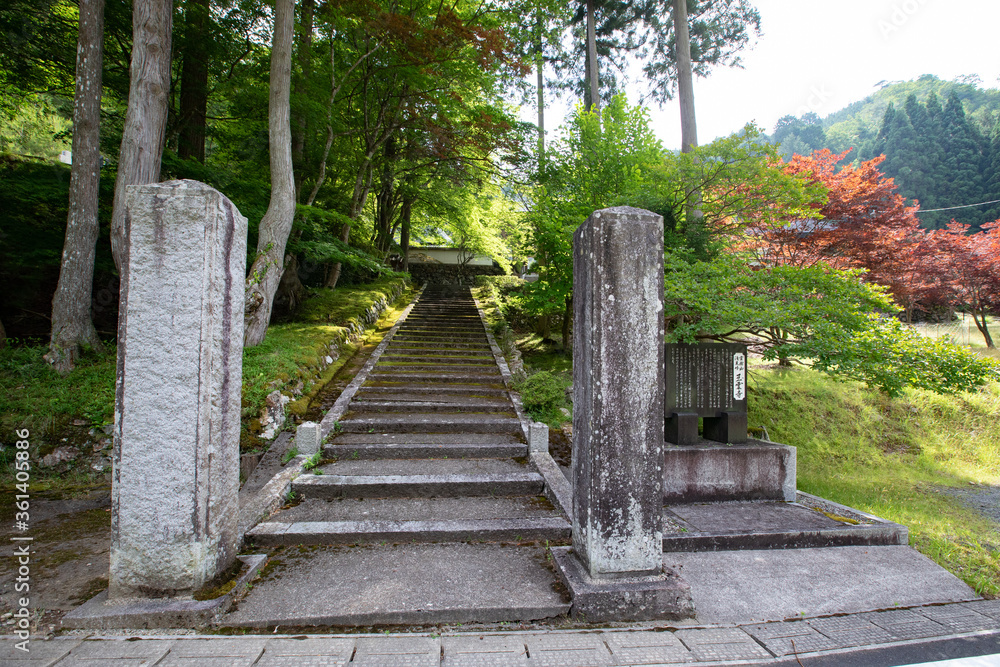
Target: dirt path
{"type": "Point", "coordinates": [983, 498]}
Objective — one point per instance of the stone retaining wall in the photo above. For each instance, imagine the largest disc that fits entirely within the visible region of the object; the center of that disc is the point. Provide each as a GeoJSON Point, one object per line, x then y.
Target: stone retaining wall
{"type": "Point", "coordinates": [450, 274]}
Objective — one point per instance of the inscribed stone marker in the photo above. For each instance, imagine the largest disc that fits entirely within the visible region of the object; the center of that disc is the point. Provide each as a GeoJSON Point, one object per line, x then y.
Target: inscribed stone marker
{"type": "Point", "coordinates": [615, 567]}
{"type": "Point", "coordinates": [177, 406]}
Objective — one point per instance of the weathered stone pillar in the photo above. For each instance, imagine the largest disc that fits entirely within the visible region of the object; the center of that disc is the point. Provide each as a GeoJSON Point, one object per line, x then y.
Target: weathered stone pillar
{"type": "Point", "coordinates": [615, 568]}
{"type": "Point", "coordinates": [177, 406]}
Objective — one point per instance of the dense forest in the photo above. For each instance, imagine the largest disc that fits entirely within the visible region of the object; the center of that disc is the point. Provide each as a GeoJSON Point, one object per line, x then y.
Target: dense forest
{"type": "Point", "coordinates": [941, 140]}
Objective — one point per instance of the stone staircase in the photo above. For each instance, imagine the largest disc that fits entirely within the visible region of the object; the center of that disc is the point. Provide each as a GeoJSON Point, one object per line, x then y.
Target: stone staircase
{"type": "Point", "coordinates": [431, 448]}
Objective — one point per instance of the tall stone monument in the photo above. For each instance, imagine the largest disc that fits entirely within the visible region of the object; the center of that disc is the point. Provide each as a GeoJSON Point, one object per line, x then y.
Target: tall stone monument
{"type": "Point", "coordinates": [177, 406]}
{"type": "Point", "coordinates": [615, 566]}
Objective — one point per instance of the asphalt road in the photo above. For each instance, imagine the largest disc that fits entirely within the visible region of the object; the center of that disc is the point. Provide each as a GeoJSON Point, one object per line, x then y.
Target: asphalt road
{"type": "Point", "coordinates": [982, 650]}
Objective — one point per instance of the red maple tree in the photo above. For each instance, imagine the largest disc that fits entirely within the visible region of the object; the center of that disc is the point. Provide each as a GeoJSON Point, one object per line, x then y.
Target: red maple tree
{"type": "Point", "coordinates": [968, 270]}
{"type": "Point", "coordinates": [865, 223]}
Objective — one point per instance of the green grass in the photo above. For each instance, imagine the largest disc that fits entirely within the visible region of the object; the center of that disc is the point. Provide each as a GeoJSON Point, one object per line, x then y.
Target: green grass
{"type": "Point", "coordinates": [35, 397]}
{"type": "Point", "coordinates": [887, 456]}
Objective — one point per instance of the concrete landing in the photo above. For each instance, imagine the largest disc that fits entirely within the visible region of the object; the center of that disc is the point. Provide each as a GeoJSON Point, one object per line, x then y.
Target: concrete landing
{"type": "Point", "coordinates": [401, 585]}
{"type": "Point", "coordinates": [810, 522]}
{"type": "Point", "coordinates": [773, 585]}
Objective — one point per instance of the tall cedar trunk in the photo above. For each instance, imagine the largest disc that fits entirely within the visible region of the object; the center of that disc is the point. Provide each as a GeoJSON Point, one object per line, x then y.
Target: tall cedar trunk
{"type": "Point", "coordinates": [71, 323]}
{"type": "Point", "coordinates": [265, 273]}
{"type": "Point", "coordinates": [299, 124]}
{"type": "Point", "coordinates": [540, 84]}
{"type": "Point", "coordinates": [404, 231]}
{"type": "Point", "coordinates": [194, 82]}
{"type": "Point", "coordinates": [334, 88]}
{"type": "Point", "coordinates": [593, 80]}
{"type": "Point", "coordinates": [146, 116]}
{"type": "Point", "coordinates": [567, 322]}
{"type": "Point", "coordinates": [384, 202]}
{"type": "Point", "coordinates": [362, 186]}
{"type": "Point", "coordinates": [685, 82]}
{"type": "Point", "coordinates": [685, 92]}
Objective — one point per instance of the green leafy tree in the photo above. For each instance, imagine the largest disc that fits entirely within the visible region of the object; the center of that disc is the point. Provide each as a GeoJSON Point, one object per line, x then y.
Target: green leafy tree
{"type": "Point", "coordinates": [596, 159]}
{"type": "Point", "coordinates": [826, 318]}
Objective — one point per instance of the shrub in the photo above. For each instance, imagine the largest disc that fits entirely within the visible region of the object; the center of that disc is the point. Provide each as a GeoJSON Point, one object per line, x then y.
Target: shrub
{"type": "Point", "coordinates": [542, 392]}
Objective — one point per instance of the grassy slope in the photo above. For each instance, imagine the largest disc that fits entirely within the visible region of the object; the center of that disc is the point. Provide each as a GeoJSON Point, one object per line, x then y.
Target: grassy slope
{"type": "Point", "coordinates": [887, 457]}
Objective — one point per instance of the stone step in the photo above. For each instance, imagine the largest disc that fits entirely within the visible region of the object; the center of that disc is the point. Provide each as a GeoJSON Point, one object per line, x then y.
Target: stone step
{"type": "Point", "coordinates": [394, 350]}
{"type": "Point", "coordinates": [442, 345]}
{"type": "Point", "coordinates": [478, 406]}
{"type": "Point", "coordinates": [422, 486]}
{"type": "Point", "coordinates": [423, 450]}
{"type": "Point", "coordinates": [440, 313]}
{"type": "Point", "coordinates": [425, 467]}
{"type": "Point", "coordinates": [440, 327]}
{"type": "Point", "coordinates": [424, 392]}
{"type": "Point", "coordinates": [354, 520]}
{"type": "Point", "coordinates": [428, 439]}
{"type": "Point", "coordinates": [472, 320]}
{"type": "Point", "coordinates": [434, 337]}
{"type": "Point", "coordinates": [411, 360]}
{"type": "Point", "coordinates": [425, 357]}
{"type": "Point", "coordinates": [461, 366]}
{"type": "Point", "coordinates": [465, 319]}
{"type": "Point", "coordinates": [424, 422]}
{"type": "Point", "coordinates": [274, 533]}
{"type": "Point", "coordinates": [401, 377]}
{"type": "Point", "coordinates": [416, 584]}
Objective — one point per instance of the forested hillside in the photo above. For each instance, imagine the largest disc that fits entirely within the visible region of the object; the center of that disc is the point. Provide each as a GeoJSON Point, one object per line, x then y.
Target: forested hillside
{"type": "Point", "coordinates": [941, 140]}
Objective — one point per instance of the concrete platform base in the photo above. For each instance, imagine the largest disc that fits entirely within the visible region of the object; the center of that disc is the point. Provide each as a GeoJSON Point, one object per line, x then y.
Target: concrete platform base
{"type": "Point", "coordinates": [709, 471]}
{"type": "Point", "coordinates": [101, 614]}
{"type": "Point", "coordinates": [649, 598]}
{"type": "Point", "coordinates": [774, 585]}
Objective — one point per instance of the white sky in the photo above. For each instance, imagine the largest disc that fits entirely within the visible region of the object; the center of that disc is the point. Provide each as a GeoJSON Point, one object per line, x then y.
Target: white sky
{"type": "Point", "coordinates": [821, 55]}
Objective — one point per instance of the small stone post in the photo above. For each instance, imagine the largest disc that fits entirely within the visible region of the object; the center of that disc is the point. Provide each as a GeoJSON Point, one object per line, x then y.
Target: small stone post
{"type": "Point", "coordinates": [615, 567]}
{"type": "Point", "coordinates": [177, 407]}
{"type": "Point", "coordinates": [308, 438]}
{"type": "Point", "coordinates": [538, 437]}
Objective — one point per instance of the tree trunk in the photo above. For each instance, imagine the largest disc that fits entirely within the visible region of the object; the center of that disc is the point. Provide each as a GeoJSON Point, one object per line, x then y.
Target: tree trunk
{"type": "Point", "coordinates": [685, 82]}
{"type": "Point", "coordinates": [593, 80]}
{"type": "Point", "coordinates": [567, 320]}
{"type": "Point", "coordinates": [980, 319]}
{"type": "Point", "coordinates": [265, 274]}
{"type": "Point", "coordinates": [72, 326]}
{"type": "Point", "coordinates": [540, 83]}
{"type": "Point", "coordinates": [685, 93]}
{"type": "Point", "coordinates": [404, 232]}
{"type": "Point", "coordinates": [194, 82]}
{"type": "Point", "coordinates": [362, 187]}
{"type": "Point", "coordinates": [3, 337]}
{"type": "Point", "coordinates": [543, 327]}
{"type": "Point", "coordinates": [290, 288]}
{"type": "Point", "coordinates": [146, 116]}
{"type": "Point", "coordinates": [384, 202]}
{"type": "Point", "coordinates": [299, 124]}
